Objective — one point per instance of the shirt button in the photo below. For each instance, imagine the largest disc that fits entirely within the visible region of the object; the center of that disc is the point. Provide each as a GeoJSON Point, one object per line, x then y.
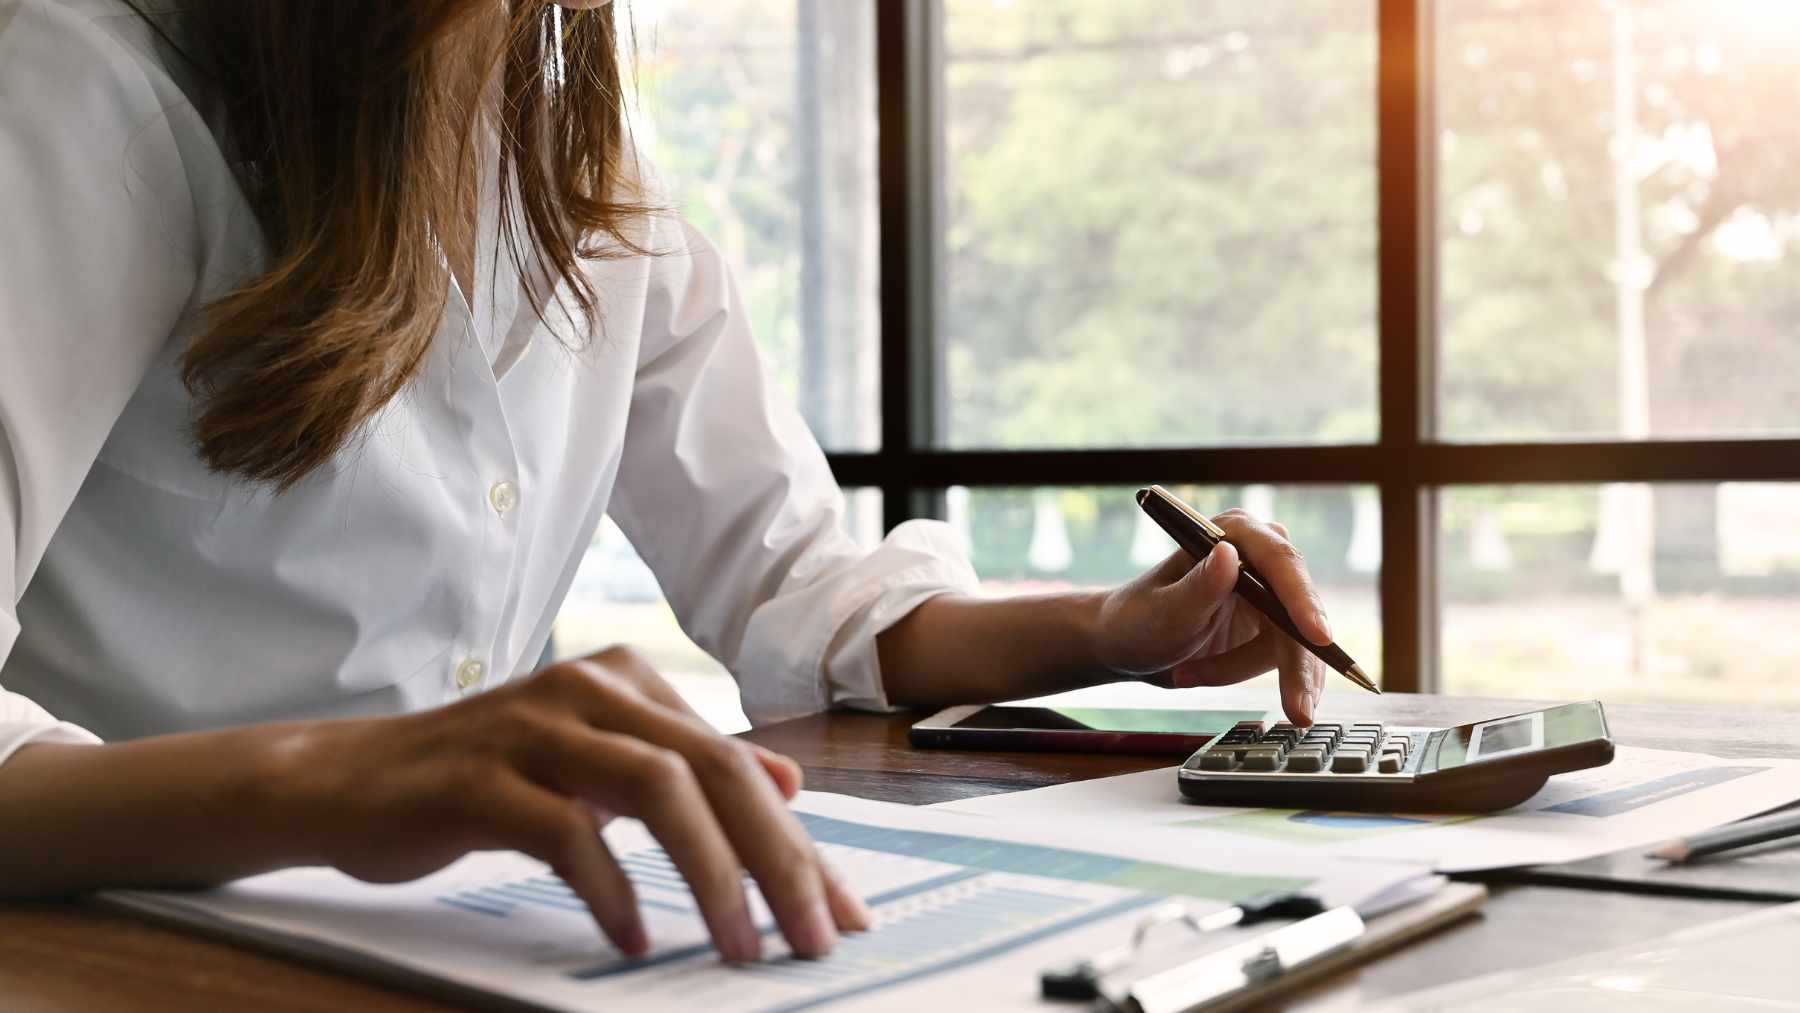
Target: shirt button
{"type": "Point", "coordinates": [469, 673]}
{"type": "Point", "coordinates": [503, 496]}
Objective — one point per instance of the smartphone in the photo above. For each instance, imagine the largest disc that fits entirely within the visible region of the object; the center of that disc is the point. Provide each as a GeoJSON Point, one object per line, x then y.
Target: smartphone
{"type": "Point", "coordinates": [1138, 731]}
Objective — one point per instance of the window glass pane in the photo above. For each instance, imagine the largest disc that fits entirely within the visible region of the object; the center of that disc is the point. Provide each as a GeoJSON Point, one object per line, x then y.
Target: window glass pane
{"type": "Point", "coordinates": [1623, 592]}
{"type": "Point", "coordinates": [1619, 222]}
{"type": "Point", "coordinates": [615, 600]}
{"type": "Point", "coordinates": [1046, 539]}
{"type": "Point", "coordinates": [1160, 222]}
{"type": "Point", "coordinates": [760, 117]}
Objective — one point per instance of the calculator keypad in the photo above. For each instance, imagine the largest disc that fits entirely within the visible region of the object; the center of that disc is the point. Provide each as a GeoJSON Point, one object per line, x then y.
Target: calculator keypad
{"type": "Point", "coordinates": [1329, 748]}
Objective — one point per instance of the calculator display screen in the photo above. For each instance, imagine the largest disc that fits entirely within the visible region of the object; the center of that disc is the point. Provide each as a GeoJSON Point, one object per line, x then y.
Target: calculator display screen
{"type": "Point", "coordinates": [1518, 734]}
{"type": "Point", "coordinates": [1506, 736]}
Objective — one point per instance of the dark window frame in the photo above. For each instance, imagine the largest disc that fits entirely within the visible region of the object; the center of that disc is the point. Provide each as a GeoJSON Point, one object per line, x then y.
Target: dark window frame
{"type": "Point", "coordinates": [1406, 463]}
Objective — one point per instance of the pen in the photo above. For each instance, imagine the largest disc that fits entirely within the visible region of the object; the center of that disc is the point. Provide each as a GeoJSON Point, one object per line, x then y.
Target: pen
{"type": "Point", "coordinates": [1197, 534]}
{"type": "Point", "coordinates": [1732, 835]}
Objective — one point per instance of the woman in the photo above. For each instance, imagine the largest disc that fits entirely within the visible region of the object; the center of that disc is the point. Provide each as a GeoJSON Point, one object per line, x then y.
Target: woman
{"type": "Point", "coordinates": [329, 332]}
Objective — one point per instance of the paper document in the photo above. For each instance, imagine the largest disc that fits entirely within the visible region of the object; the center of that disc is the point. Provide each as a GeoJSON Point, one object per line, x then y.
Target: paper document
{"type": "Point", "coordinates": [1744, 963]}
{"type": "Point", "coordinates": [967, 911]}
{"type": "Point", "coordinates": [1645, 796]}
{"type": "Point", "coordinates": [1767, 871]}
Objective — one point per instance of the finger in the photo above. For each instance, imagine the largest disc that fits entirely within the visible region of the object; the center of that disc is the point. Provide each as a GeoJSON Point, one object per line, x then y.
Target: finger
{"type": "Point", "coordinates": [1173, 567]}
{"type": "Point", "coordinates": [560, 833]}
{"type": "Point", "coordinates": [1205, 586]}
{"type": "Point", "coordinates": [1246, 661]}
{"type": "Point", "coordinates": [744, 803]}
{"type": "Point", "coordinates": [632, 777]}
{"type": "Point", "coordinates": [1284, 568]}
{"type": "Point", "coordinates": [782, 770]}
{"type": "Point", "coordinates": [774, 847]}
{"type": "Point", "coordinates": [1299, 683]}
{"type": "Point", "coordinates": [643, 677]}
{"type": "Point", "coordinates": [851, 913]}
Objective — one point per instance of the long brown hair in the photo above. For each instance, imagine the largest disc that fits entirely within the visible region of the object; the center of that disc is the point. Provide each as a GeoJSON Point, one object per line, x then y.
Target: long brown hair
{"type": "Point", "coordinates": [356, 119]}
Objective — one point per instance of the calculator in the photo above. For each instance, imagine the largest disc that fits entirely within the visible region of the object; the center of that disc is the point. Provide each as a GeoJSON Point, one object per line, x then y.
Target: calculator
{"type": "Point", "coordinates": [1363, 765]}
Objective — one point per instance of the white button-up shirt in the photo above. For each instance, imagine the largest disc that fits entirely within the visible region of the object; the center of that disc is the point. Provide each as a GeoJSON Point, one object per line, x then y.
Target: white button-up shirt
{"type": "Point", "coordinates": [141, 593]}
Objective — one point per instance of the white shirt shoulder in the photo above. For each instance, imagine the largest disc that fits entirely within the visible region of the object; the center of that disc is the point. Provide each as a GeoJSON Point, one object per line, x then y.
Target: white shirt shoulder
{"type": "Point", "coordinates": [101, 255]}
{"type": "Point", "coordinates": [142, 594]}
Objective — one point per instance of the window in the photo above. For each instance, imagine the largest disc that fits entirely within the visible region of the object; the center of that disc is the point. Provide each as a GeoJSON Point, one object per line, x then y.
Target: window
{"type": "Point", "coordinates": [1551, 591]}
{"type": "Point", "coordinates": [1113, 284]}
{"type": "Point", "coordinates": [1496, 303]}
{"type": "Point", "coordinates": [1619, 231]}
{"type": "Point", "coordinates": [1047, 538]}
{"type": "Point", "coordinates": [760, 121]}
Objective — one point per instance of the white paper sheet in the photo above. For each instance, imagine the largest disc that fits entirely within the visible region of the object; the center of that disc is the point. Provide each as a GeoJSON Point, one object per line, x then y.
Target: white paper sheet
{"type": "Point", "coordinates": [967, 912]}
{"type": "Point", "coordinates": [1643, 797]}
{"type": "Point", "coordinates": [1734, 964]}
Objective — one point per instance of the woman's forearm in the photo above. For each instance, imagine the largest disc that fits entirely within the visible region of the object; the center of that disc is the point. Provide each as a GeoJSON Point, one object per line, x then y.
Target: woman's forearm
{"type": "Point", "coordinates": [960, 649]}
{"type": "Point", "coordinates": [1177, 625]}
{"type": "Point", "coordinates": [522, 767]}
{"type": "Point", "coordinates": [174, 810]}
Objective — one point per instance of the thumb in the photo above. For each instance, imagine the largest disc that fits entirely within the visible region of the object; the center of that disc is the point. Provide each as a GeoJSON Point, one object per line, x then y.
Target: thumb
{"type": "Point", "coordinates": [781, 769]}
{"type": "Point", "coordinates": [1211, 582]}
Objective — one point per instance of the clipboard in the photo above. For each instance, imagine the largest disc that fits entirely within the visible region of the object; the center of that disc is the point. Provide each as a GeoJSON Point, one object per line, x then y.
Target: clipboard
{"type": "Point", "coordinates": [1245, 971]}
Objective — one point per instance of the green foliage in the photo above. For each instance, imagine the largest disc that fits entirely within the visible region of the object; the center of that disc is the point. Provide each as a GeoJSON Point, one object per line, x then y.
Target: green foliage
{"type": "Point", "coordinates": [1160, 229]}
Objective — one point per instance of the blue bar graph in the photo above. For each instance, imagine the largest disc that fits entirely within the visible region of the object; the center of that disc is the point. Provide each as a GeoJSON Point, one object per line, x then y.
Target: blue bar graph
{"type": "Point", "coordinates": [959, 900]}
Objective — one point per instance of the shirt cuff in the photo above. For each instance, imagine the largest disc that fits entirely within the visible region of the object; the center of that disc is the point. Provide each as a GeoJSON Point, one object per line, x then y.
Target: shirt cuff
{"type": "Point", "coordinates": [918, 561]}
{"type": "Point", "coordinates": [812, 647]}
{"type": "Point", "coordinates": [23, 722]}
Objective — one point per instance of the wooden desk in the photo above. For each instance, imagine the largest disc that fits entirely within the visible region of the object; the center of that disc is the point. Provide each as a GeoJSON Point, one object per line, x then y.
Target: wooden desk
{"type": "Point", "coordinates": [64, 957]}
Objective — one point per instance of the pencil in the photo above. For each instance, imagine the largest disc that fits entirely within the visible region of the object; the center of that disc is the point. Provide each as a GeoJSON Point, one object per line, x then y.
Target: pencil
{"type": "Point", "coordinates": [1197, 534]}
{"type": "Point", "coordinates": [1743, 833]}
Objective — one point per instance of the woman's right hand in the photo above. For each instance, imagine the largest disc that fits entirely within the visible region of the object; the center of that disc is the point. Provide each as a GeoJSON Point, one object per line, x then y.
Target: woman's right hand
{"type": "Point", "coordinates": [536, 766]}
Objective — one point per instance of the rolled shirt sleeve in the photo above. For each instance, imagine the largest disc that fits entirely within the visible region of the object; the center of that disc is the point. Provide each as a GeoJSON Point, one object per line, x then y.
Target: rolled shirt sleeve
{"type": "Point", "coordinates": [97, 263]}
{"type": "Point", "coordinates": [727, 496]}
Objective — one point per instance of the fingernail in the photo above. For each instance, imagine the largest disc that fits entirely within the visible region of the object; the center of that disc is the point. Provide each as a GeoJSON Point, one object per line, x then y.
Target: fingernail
{"type": "Point", "coordinates": [817, 933]}
{"type": "Point", "coordinates": [744, 943]}
{"type": "Point", "coordinates": [1325, 625]}
{"type": "Point", "coordinates": [864, 916]}
{"type": "Point", "coordinates": [633, 940]}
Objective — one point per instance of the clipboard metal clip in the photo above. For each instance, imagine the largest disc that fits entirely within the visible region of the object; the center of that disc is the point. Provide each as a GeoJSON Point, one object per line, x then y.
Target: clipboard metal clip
{"type": "Point", "coordinates": [1264, 965]}
{"type": "Point", "coordinates": [1212, 978]}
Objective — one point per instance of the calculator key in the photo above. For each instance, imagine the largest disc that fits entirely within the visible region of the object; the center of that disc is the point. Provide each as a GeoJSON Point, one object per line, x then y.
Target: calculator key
{"type": "Point", "coordinates": [1390, 763]}
{"type": "Point", "coordinates": [1262, 759]}
{"type": "Point", "coordinates": [1349, 761]}
{"type": "Point", "coordinates": [1218, 759]}
{"type": "Point", "coordinates": [1329, 726]}
{"type": "Point", "coordinates": [1306, 761]}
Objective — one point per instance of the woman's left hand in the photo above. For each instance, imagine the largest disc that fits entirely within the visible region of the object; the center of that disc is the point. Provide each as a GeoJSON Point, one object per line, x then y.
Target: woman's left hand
{"type": "Point", "coordinates": [1181, 625]}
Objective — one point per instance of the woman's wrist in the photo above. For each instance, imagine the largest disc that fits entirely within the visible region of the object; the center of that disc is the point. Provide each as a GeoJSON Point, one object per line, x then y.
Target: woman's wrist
{"type": "Point", "coordinates": [284, 787]}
